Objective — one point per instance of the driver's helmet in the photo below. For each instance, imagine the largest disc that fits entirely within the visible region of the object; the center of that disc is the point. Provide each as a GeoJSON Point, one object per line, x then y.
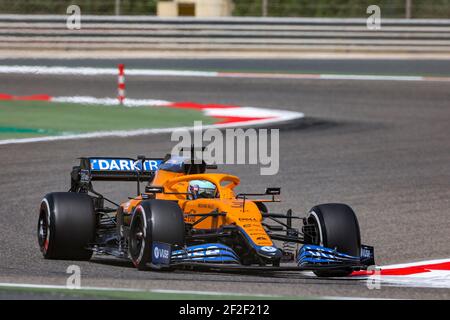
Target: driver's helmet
{"type": "Point", "coordinates": [202, 189]}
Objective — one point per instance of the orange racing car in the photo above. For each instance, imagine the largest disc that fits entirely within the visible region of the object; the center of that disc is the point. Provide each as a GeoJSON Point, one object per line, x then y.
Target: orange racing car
{"type": "Point", "coordinates": [187, 217]}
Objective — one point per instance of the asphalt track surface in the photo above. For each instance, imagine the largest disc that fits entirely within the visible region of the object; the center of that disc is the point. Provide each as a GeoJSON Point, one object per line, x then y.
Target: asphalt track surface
{"type": "Point", "coordinates": [346, 66]}
{"type": "Point", "coordinates": [382, 147]}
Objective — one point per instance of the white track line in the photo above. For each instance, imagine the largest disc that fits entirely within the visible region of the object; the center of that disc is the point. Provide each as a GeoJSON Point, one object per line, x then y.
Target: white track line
{"type": "Point", "coordinates": [370, 77]}
{"type": "Point", "coordinates": [164, 291]}
{"type": "Point", "coordinates": [130, 133]}
{"type": "Point", "coordinates": [88, 71]}
{"type": "Point", "coordinates": [169, 291]}
{"type": "Point", "coordinates": [46, 286]}
{"type": "Point", "coordinates": [432, 278]}
{"type": "Point", "coordinates": [111, 101]}
{"type": "Point", "coordinates": [415, 264]}
{"type": "Point", "coordinates": [91, 71]}
{"type": "Point", "coordinates": [139, 132]}
{"type": "Point", "coordinates": [213, 293]}
{"type": "Point", "coordinates": [105, 134]}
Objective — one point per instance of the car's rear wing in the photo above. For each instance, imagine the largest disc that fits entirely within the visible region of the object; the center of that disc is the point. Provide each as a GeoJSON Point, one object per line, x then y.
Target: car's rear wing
{"type": "Point", "coordinates": [112, 169]}
{"type": "Point", "coordinates": [119, 169]}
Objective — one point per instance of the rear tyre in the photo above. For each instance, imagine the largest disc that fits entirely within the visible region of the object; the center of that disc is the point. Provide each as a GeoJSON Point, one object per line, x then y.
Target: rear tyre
{"type": "Point", "coordinates": [337, 228]}
{"type": "Point", "coordinates": [154, 220]}
{"type": "Point", "coordinates": [66, 226]}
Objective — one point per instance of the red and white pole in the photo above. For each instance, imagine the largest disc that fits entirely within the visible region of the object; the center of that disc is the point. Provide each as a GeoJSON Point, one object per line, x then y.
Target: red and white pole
{"type": "Point", "coordinates": [121, 84]}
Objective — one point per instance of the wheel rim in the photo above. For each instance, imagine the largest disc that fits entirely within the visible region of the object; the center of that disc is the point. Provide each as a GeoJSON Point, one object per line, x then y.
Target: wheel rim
{"type": "Point", "coordinates": [312, 230]}
{"type": "Point", "coordinates": [43, 232]}
{"type": "Point", "coordinates": [137, 238]}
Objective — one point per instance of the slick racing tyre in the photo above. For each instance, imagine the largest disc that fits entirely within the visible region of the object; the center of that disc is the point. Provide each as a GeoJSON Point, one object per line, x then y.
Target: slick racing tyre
{"type": "Point", "coordinates": [66, 226]}
{"type": "Point", "coordinates": [337, 228]}
{"type": "Point", "coordinates": [154, 220]}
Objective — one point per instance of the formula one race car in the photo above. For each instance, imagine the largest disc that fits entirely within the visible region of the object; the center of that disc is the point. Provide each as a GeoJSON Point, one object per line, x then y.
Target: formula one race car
{"type": "Point", "coordinates": [187, 218]}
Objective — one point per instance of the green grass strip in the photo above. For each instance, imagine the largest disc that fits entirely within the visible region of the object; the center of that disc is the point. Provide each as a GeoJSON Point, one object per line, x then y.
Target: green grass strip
{"type": "Point", "coordinates": [21, 119]}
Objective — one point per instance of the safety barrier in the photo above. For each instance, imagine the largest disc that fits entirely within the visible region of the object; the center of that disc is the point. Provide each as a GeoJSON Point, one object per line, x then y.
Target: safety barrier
{"type": "Point", "coordinates": [224, 34]}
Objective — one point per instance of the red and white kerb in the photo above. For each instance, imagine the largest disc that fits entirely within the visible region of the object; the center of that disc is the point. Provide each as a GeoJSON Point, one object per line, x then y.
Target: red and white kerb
{"type": "Point", "coordinates": [121, 84]}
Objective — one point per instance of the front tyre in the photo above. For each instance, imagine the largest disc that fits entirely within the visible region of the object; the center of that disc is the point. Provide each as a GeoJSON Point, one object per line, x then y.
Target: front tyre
{"type": "Point", "coordinates": [336, 228]}
{"type": "Point", "coordinates": [66, 226]}
{"type": "Point", "coordinates": [154, 220]}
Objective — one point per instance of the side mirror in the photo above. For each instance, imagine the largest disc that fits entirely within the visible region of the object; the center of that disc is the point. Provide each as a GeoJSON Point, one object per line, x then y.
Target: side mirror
{"type": "Point", "coordinates": [153, 189]}
{"type": "Point", "coordinates": [273, 191]}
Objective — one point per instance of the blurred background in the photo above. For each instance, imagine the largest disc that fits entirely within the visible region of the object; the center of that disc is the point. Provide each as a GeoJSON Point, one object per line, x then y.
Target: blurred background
{"type": "Point", "coordinates": [271, 8]}
{"type": "Point", "coordinates": [225, 28]}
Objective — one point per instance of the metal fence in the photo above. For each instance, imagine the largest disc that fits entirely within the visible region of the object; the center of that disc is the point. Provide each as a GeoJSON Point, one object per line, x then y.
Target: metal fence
{"type": "Point", "coordinates": [344, 8]}
{"type": "Point", "coordinates": [226, 34]}
{"type": "Point", "coordinates": [273, 8]}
